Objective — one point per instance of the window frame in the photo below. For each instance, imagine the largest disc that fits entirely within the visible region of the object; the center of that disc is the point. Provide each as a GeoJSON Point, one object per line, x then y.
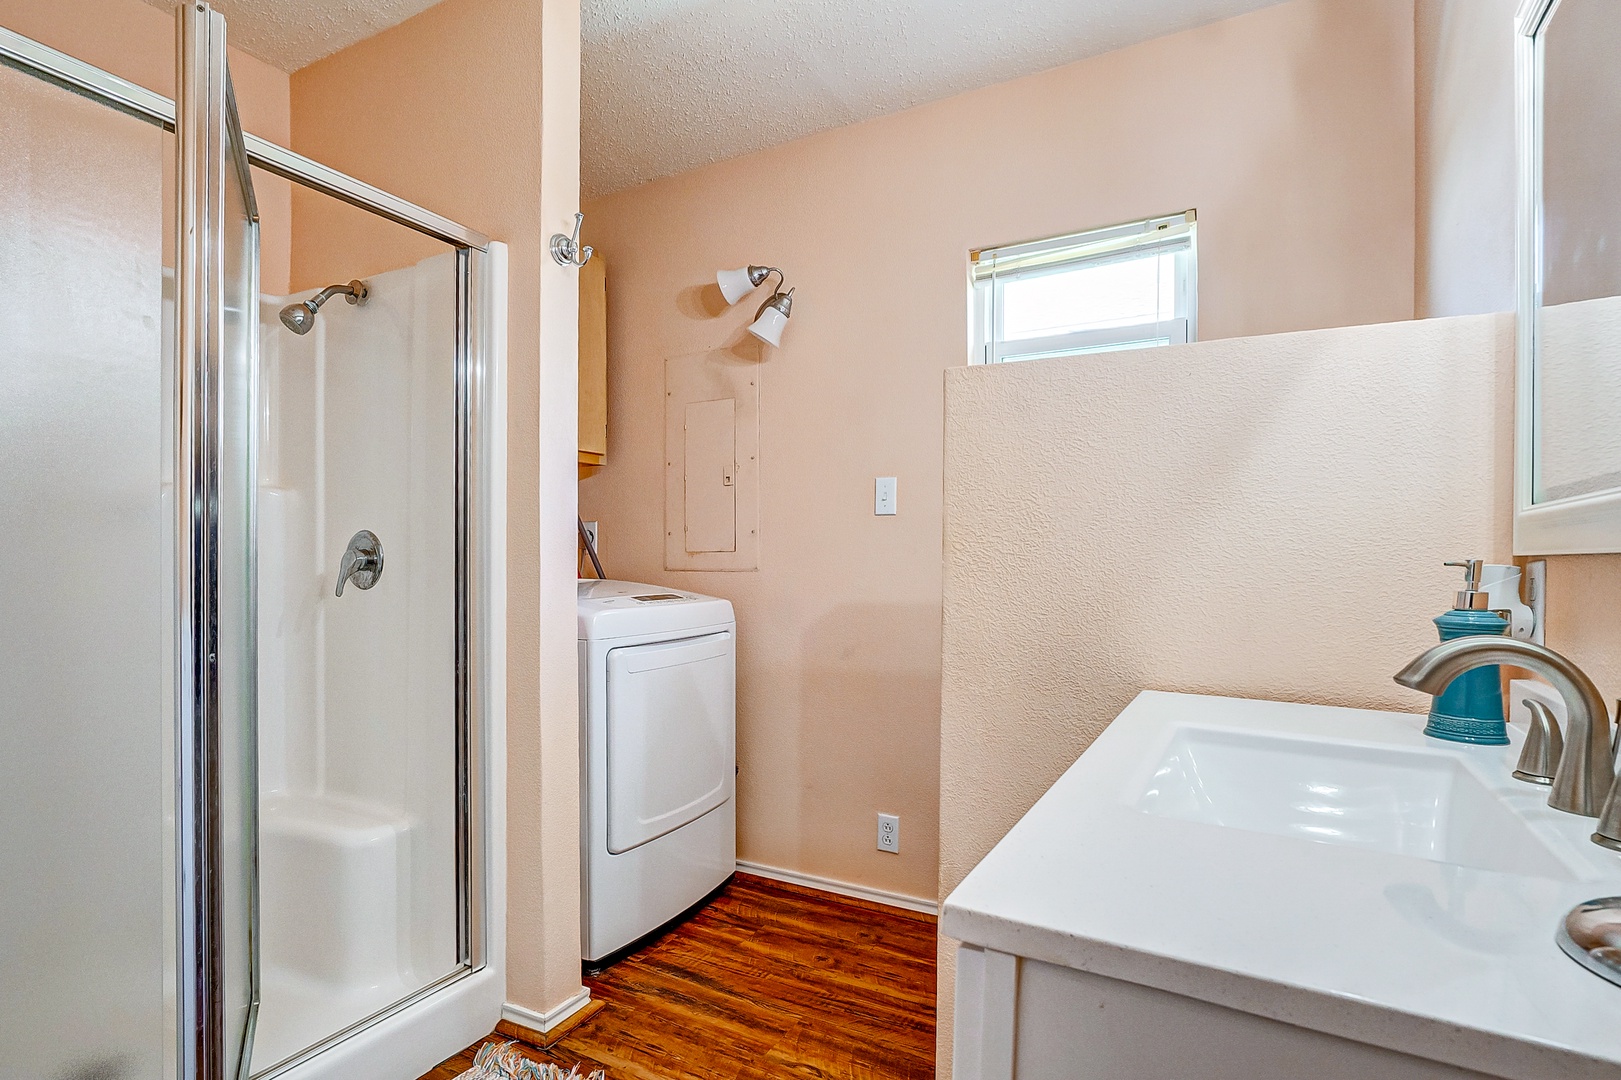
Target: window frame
{"type": "Point", "coordinates": [991, 269]}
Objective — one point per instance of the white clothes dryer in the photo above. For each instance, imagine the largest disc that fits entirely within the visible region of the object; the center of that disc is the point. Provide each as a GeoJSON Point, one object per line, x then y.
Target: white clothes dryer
{"type": "Point", "coordinates": [658, 760]}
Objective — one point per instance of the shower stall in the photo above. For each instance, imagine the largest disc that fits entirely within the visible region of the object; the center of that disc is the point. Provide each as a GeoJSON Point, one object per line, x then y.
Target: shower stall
{"type": "Point", "coordinates": [251, 628]}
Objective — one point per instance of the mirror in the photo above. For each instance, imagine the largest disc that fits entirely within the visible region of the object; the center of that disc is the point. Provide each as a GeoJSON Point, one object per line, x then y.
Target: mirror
{"type": "Point", "coordinates": [1568, 474]}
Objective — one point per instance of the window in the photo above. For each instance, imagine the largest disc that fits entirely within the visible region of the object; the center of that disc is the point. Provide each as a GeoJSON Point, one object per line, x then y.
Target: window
{"type": "Point", "coordinates": [1130, 286]}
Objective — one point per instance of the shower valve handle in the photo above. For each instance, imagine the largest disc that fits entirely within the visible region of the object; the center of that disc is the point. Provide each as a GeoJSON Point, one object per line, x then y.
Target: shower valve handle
{"type": "Point", "coordinates": [362, 561]}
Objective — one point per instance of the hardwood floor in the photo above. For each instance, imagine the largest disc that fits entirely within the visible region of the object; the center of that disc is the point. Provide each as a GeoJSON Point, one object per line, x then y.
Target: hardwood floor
{"type": "Point", "coordinates": [770, 980]}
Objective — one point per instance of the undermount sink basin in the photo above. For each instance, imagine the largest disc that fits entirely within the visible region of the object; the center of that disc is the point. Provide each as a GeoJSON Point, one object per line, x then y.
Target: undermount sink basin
{"type": "Point", "coordinates": [1399, 801]}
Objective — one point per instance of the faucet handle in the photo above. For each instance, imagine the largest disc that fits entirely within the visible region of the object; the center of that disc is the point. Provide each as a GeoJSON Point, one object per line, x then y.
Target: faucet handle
{"type": "Point", "coordinates": [1608, 833]}
{"type": "Point", "coordinates": [362, 561]}
{"type": "Point", "coordinates": [1544, 744]}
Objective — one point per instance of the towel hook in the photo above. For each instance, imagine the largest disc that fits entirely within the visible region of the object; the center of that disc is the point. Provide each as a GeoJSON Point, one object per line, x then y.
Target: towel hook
{"type": "Point", "coordinates": [567, 250]}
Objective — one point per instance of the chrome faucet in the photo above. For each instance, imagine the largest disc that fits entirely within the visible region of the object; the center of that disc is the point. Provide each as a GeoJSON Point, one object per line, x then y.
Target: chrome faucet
{"type": "Point", "coordinates": [362, 561]}
{"type": "Point", "coordinates": [1584, 783]}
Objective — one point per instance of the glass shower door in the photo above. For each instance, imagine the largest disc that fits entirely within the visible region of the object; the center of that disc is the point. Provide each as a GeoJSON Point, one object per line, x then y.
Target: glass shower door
{"type": "Point", "coordinates": [132, 831]}
{"type": "Point", "coordinates": [86, 614]}
{"type": "Point", "coordinates": [128, 261]}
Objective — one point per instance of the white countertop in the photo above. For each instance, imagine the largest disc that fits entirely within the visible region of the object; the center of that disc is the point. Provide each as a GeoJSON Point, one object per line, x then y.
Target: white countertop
{"type": "Point", "coordinates": [1434, 959]}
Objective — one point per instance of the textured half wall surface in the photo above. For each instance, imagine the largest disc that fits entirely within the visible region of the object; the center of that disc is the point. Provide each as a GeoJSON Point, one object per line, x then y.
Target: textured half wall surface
{"type": "Point", "coordinates": [1259, 517]}
{"type": "Point", "coordinates": [1294, 121]}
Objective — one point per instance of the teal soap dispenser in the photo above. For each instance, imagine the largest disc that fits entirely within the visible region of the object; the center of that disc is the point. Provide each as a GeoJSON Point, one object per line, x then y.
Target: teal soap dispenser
{"type": "Point", "coordinates": [1470, 709]}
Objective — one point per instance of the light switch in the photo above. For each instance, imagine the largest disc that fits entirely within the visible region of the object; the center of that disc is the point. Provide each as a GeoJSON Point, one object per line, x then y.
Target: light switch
{"type": "Point", "coordinates": [883, 503]}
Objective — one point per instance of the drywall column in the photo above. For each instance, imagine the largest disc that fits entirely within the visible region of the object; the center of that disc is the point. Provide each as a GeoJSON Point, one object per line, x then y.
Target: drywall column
{"type": "Point", "coordinates": [471, 109]}
{"type": "Point", "coordinates": [544, 796]}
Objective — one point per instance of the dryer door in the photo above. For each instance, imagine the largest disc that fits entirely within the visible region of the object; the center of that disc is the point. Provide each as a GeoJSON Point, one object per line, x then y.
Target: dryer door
{"type": "Point", "coordinates": [671, 748]}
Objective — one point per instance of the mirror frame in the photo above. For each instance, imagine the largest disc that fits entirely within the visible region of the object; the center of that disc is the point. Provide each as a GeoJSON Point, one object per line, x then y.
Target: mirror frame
{"type": "Point", "coordinates": [1581, 524]}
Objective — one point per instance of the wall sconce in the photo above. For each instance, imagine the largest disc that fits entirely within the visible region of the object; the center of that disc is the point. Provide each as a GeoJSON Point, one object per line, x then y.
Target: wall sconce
{"type": "Point", "coordinates": [773, 314]}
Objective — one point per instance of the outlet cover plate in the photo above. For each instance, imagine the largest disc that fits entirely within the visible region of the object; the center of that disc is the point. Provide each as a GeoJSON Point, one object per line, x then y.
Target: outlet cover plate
{"type": "Point", "coordinates": [889, 833]}
{"type": "Point", "coordinates": [1536, 597]}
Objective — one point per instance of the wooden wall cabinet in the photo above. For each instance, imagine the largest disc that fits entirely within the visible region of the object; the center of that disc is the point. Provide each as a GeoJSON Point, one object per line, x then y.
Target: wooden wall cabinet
{"type": "Point", "coordinates": [593, 363]}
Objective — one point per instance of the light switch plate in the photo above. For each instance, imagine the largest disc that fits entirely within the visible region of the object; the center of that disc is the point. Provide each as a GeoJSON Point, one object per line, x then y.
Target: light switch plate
{"type": "Point", "coordinates": [883, 501]}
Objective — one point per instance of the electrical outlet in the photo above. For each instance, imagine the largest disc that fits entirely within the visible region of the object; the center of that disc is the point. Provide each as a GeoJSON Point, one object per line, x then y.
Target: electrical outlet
{"type": "Point", "coordinates": [889, 833]}
{"type": "Point", "coordinates": [591, 531]}
{"type": "Point", "coordinates": [1536, 596]}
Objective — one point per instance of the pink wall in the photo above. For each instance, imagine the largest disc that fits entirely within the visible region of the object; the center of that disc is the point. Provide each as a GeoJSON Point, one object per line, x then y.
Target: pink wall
{"type": "Point", "coordinates": [466, 109]}
{"type": "Point", "coordinates": [1289, 130]}
{"type": "Point", "coordinates": [1463, 61]}
{"type": "Point", "coordinates": [136, 41]}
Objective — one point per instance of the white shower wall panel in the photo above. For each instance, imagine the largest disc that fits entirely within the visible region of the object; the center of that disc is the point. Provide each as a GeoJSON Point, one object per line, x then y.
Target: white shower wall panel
{"type": "Point", "coordinates": [357, 693]}
{"type": "Point", "coordinates": [287, 610]}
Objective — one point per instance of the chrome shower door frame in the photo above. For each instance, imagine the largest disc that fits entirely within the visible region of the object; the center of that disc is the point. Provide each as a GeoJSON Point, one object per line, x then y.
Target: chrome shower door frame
{"type": "Point", "coordinates": [479, 499]}
{"type": "Point", "coordinates": [479, 493]}
{"type": "Point", "coordinates": [201, 123]}
{"type": "Point", "coordinates": [209, 147]}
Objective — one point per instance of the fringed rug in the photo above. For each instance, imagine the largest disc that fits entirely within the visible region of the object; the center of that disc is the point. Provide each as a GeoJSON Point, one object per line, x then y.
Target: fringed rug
{"type": "Point", "coordinates": [500, 1061]}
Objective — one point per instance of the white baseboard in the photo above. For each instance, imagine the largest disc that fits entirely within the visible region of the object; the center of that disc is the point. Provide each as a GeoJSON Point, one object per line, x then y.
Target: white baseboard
{"type": "Point", "coordinates": [544, 1022]}
{"type": "Point", "coordinates": [841, 888]}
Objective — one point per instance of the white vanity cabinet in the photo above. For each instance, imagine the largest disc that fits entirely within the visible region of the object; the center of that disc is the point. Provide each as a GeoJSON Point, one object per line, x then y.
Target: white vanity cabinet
{"type": "Point", "coordinates": [1225, 889]}
{"type": "Point", "coordinates": [1075, 1025]}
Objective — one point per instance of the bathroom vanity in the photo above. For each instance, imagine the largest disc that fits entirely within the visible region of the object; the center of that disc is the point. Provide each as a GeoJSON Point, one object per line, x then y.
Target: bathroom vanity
{"type": "Point", "coordinates": [1227, 888]}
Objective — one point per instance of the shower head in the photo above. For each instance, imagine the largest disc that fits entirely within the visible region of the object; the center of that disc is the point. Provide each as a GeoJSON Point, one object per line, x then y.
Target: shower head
{"type": "Point", "coordinates": [300, 317]}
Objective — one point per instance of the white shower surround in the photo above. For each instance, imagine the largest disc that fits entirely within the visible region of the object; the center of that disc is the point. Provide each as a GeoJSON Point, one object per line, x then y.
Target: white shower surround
{"type": "Point", "coordinates": [357, 698]}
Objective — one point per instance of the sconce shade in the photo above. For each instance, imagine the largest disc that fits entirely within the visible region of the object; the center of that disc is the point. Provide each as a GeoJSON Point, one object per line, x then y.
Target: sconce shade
{"type": "Point", "coordinates": [736, 284]}
{"type": "Point", "coordinates": [768, 327]}
{"type": "Point", "coordinates": [772, 317]}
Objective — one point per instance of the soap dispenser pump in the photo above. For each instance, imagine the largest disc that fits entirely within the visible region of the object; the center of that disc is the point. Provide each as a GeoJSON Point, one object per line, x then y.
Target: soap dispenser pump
{"type": "Point", "coordinates": [1470, 709]}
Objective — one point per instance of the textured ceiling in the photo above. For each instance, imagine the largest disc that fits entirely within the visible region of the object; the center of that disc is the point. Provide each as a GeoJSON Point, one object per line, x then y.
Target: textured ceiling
{"type": "Point", "coordinates": [670, 85]}
{"type": "Point", "coordinates": [673, 84]}
{"type": "Point", "coordinates": [292, 33]}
